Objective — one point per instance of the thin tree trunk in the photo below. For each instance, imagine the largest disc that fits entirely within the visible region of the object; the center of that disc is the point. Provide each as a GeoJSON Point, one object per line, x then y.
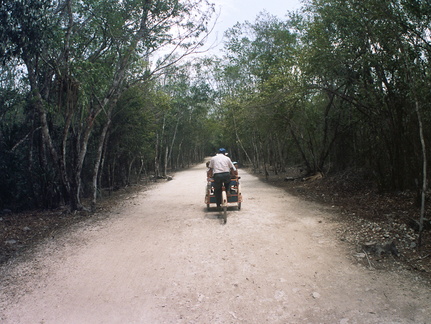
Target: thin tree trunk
{"type": "Point", "coordinates": [240, 143]}
{"type": "Point", "coordinates": [179, 154]}
{"type": "Point", "coordinates": [295, 139]}
{"type": "Point", "coordinates": [102, 162]}
{"type": "Point", "coordinates": [98, 161]}
{"type": "Point", "coordinates": [256, 163]}
{"type": "Point", "coordinates": [424, 175]}
{"type": "Point", "coordinates": [141, 167]}
{"type": "Point", "coordinates": [129, 170]}
{"type": "Point", "coordinates": [156, 157]}
{"type": "Point", "coordinates": [46, 136]}
{"type": "Point", "coordinates": [166, 161]}
{"type": "Point", "coordinates": [168, 158]}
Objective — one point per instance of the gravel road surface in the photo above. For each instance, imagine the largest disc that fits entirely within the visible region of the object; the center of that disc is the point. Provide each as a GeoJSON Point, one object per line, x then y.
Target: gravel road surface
{"type": "Point", "coordinates": [161, 257]}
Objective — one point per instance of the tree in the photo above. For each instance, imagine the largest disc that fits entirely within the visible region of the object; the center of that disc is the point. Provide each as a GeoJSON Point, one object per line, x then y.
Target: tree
{"type": "Point", "coordinates": [185, 124]}
{"type": "Point", "coordinates": [79, 57]}
{"type": "Point", "coordinates": [258, 83]}
{"type": "Point", "coordinates": [359, 46]}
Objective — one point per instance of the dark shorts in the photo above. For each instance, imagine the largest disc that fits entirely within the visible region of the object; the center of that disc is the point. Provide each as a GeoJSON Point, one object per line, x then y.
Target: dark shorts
{"type": "Point", "coordinates": [220, 179]}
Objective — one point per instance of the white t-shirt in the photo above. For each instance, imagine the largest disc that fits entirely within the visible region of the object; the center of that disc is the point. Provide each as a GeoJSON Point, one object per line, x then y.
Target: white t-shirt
{"type": "Point", "coordinates": [221, 163]}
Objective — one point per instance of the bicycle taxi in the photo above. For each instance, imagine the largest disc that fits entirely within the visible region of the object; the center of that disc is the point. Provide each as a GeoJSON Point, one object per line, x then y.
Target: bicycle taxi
{"type": "Point", "coordinates": [230, 197]}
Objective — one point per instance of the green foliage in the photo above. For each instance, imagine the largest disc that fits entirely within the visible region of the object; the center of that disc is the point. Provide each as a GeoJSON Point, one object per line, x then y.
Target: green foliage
{"type": "Point", "coordinates": [85, 75]}
{"type": "Point", "coordinates": [332, 87]}
{"type": "Point", "coordinates": [256, 86]}
{"type": "Point", "coordinates": [25, 28]}
{"type": "Point", "coordinates": [366, 52]}
{"type": "Point", "coordinates": [134, 122]}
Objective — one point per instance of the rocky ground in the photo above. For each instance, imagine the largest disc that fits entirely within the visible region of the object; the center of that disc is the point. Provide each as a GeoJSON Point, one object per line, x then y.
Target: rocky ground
{"type": "Point", "coordinates": [366, 216]}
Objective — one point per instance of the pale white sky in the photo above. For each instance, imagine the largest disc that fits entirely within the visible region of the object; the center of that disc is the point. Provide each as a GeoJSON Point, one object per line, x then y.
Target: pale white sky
{"type": "Point", "coordinates": [233, 11]}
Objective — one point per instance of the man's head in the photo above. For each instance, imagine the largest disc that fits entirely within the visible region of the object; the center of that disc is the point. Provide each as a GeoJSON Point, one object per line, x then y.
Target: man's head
{"type": "Point", "coordinates": [222, 151]}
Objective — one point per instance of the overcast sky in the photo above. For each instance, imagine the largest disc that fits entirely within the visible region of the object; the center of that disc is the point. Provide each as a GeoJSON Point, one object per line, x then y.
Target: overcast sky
{"type": "Point", "coordinates": [233, 11]}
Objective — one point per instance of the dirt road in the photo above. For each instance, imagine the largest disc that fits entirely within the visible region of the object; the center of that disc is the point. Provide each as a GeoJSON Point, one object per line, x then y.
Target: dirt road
{"type": "Point", "coordinates": [162, 258]}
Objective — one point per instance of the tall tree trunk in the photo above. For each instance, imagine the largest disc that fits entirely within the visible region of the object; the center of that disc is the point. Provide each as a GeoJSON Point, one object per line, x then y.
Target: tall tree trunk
{"type": "Point", "coordinates": [169, 157]}
{"type": "Point", "coordinates": [129, 171]}
{"type": "Point", "coordinates": [165, 172]}
{"type": "Point", "coordinates": [299, 146]}
{"type": "Point", "coordinates": [47, 141]}
{"type": "Point", "coordinates": [179, 154]}
{"type": "Point", "coordinates": [156, 158]}
{"type": "Point", "coordinates": [241, 144]}
{"type": "Point", "coordinates": [98, 161]}
{"type": "Point", "coordinates": [424, 175]}
{"type": "Point", "coordinates": [102, 162]}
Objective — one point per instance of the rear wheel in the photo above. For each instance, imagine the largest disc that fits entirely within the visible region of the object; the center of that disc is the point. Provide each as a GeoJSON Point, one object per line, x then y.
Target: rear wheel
{"type": "Point", "coordinates": [224, 214]}
{"type": "Point", "coordinates": [224, 206]}
{"type": "Point", "coordinates": [239, 197]}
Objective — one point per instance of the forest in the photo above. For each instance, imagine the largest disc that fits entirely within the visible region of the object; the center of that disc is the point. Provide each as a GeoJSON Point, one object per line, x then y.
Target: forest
{"type": "Point", "coordinates": [97, 95]}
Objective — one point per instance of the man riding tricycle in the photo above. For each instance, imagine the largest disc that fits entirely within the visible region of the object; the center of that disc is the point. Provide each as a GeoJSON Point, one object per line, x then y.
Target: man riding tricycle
{"type": "Point", "coordinates": [223, 186]}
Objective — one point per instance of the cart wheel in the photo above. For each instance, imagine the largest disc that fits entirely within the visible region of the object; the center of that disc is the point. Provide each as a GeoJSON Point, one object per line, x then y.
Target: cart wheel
{"type": "Point", "coordinates": [224, 206]}
{"type": "Point", "coordinates": [239, 206]}
{"type": "Point", "coordinates": [224, 214]}
{"type": "Point", "coordinates": [208, 207]}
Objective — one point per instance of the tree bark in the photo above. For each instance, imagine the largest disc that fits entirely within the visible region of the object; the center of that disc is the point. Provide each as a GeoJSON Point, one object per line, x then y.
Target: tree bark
{"type": "Point", "coordinates": [98, 161]}
{"type": "Point", "coordinates": [424, 175]}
